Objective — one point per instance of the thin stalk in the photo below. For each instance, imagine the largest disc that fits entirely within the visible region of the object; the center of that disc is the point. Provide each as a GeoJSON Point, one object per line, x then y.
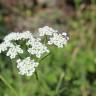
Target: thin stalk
{"type": "Point", "coordinates": [59, 83]}
{"type": "Point", "coordinates": [36, 74]}
{"type": "Point", "coordinates": [45, 40]}
{"type": "Point", "coordinates": [44, 57]}
{"type": "Point", "coordinates": [8, 85]}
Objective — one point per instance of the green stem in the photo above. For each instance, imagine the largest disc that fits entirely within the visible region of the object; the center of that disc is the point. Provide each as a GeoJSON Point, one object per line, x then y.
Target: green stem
{"type": "Point", "coordinates": [19, 56]}
{"type": "Point", "coordinates": [44, 57]}
{"type": "Point", "coordinates": [59, 83]}
{"type": "Point", "coordinates": [8, 85]}
{"type": "Point", "coordinates": [36, 74]}
{"type": "Point", "coordinates": [45, 40]}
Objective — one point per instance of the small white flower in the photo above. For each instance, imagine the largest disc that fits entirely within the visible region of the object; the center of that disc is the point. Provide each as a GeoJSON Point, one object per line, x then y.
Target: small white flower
{"type": "Point", "coordinates": [26, 66]}
{"type": "Point", "coordinates": [64, 34]}
{"type": "Point", "coordinates": [13, 51]}
{"type": "Point", "coordinates": [4, 46]}
{"type": "Point", "coordinates": [46, 31]}
{"type": "Point", "coordinates": [37, 48]}
{"type": "Point", "coordinates": [58, 40]}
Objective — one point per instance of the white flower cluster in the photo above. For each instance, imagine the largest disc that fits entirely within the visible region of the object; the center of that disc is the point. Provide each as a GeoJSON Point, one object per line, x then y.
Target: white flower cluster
{"type": "Point", "coordinates": [13, 51]}
{"type": "Point", "coordinates": [4, 46]}
{"type": "Point", "coordinates": [46, 31]}
{"type": "Point", "coordinates": [35, 47]}
{"type": "Point", "coordinates": [18, 36]}
{"type": "Point", "coordinates": [54, 36]}
{"type": "Point", "coordinates": [26, 66]}
{"type": "Point", "coordinates": [58, 40]}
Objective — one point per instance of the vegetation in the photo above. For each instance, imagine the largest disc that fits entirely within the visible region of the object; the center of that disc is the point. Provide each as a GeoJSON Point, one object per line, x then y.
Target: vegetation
{"type": "Point", "coordinates": [70, 71]}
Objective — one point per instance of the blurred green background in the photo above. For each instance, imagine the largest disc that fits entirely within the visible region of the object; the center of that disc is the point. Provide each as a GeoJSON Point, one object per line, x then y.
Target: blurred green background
{"type": "Point", "coordinates": [70, 71]}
